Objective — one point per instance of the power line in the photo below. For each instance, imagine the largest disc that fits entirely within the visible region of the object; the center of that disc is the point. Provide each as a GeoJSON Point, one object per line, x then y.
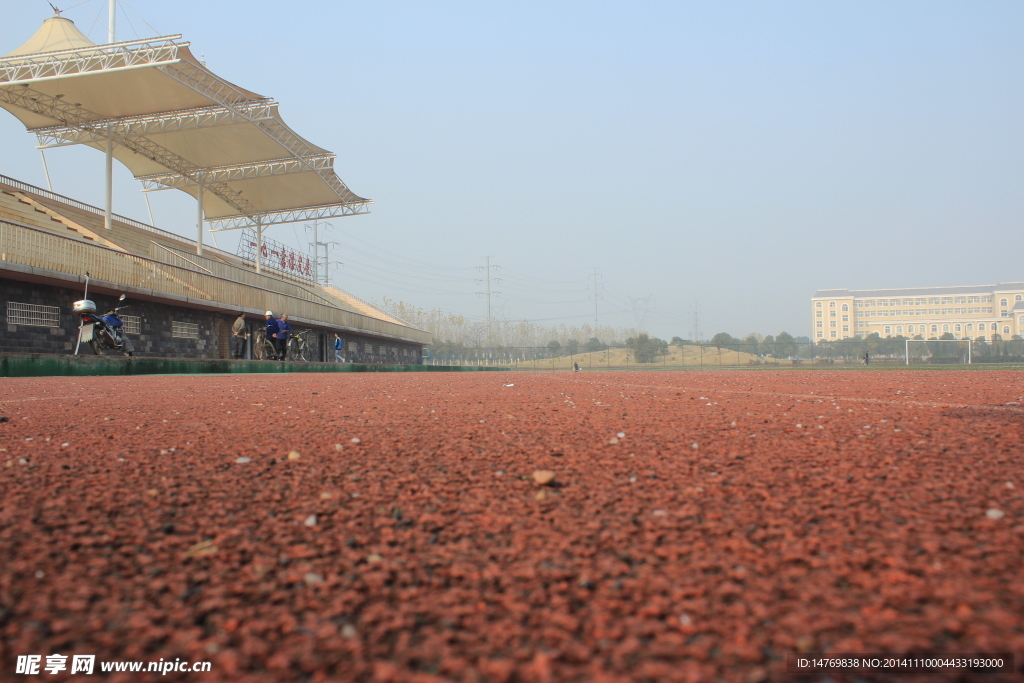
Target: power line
{"type": "Point", "coordinates": [597, 294]}
{"type": "Point", "coordinates": [488, 279]}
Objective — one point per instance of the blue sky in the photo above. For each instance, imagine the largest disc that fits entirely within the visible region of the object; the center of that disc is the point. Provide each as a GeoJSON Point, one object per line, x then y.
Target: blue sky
{"type": "Point", "coordinates": [737, 154]}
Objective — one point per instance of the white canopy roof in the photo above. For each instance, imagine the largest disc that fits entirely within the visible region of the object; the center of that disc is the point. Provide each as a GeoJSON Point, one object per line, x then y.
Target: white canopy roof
{"type": "Point", "coordinates": [175, 125]}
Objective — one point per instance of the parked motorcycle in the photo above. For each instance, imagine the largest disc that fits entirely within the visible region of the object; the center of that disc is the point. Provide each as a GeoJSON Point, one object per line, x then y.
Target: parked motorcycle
{"type": "Point", "coordinates": [101, 332]}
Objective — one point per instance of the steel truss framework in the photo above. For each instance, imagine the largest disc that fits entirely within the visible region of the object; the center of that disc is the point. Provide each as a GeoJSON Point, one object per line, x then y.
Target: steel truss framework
{"type": "Point", "coordinates": [303, 214]}
{"type": "Point", "coordinates": [81, 126]}
{"type": "Point", "coordinates": [135, 126]}
{"type": "Point", "coordinates": [47, 66]}
{"type": "Point", "coordinates": [75, 115]}
{"type": "Point", "coordinates": [223, 174]}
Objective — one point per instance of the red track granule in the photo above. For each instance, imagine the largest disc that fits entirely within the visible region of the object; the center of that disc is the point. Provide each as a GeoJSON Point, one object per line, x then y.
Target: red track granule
{"type": "Point", "coordinates": [404, 527]}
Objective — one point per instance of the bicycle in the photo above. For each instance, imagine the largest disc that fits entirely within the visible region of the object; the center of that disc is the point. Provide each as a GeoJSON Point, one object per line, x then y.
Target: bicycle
{"type": "Point", "coordinates": [298, 346]}
{"type": "Point", "coordinates": [263, 348]}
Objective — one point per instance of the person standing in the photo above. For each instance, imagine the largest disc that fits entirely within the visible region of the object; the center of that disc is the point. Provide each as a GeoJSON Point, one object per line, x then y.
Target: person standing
{"type": "Point", "coordinates": [284, 329]}
{"type": "Point", "coordinates": [239, 336]}
{"type": "Point", "coordinates": [339, 346]}
{"type": "Point", "coordinates": [271, 333]}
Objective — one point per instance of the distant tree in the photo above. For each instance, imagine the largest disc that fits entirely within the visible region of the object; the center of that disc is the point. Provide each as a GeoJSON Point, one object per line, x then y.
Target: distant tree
{"type": "Point", "coordinates": [751, 343]}
{"type": "Point", "coordinates": [722, 339]}
{"type": "Point", "coordinates": [645, 348]}
{"type": "Point", "coordinates": [553, 347]}
{"type": "Point", "coordinates": [572, 347]}
{"type": "Point", "coordinates": [678, 341]}
{"type": "Point", "coordinates": [594, 345]}
{"type": "Point", "coordinates": [947, 335]}
{"type": "Point", "coordinates": [785, 345]}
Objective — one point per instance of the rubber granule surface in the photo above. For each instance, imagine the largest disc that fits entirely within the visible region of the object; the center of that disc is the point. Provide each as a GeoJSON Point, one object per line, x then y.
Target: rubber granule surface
{"type": "Point", "coordinates": [632, 526]}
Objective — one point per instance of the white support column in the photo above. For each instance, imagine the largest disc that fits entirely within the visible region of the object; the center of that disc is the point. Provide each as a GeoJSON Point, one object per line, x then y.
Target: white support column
{"type": "Point", "coordinates": [316, 251]}
{"type": "Point", "coordinates": [111, 20]}
{"type": "Point", "coordinates": [46, 170]}
{"type": "Point", "coordinates": [108, 220]}
{"type": "Point", "coordinates": [199, 221]}
{"type": "Point", "coordinates": [149, 208]}
{"type": "Point", "coordinates": [259, 244]}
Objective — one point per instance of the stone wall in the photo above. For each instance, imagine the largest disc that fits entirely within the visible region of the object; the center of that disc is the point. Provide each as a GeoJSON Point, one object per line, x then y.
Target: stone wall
{"type": "Point", "coordinates": [157, 333]}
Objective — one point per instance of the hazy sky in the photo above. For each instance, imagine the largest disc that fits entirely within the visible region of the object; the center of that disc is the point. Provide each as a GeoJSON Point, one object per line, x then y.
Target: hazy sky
{"type": "Point", "coordinates": [737, 154]}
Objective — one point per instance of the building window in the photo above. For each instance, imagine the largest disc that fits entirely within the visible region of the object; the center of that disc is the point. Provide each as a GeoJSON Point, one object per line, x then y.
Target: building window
{"type": "Point", "coordinates": [986, 300]}
{"type": "Point", "coordinates": [832, 314]}
{"type": "Point", "coordinates": [817, 304]}
{"type": "Point", "coordinates": [935, 329]}
{"type": "Point", "coordinates": [184, 330]}
{"type": "Point", "coordinates": [817, 314]}
{"type": "Point", "coordinates": [819, 323]}
{"type": "Point", "coordinates": [832, 304]}
{"type": "Point", "coordinates": [846, 307]}
{"type": "Point", "coordinates": [1006, 329]}
{"type": "Point", "coordinates": [899, 329]}
{"type": "Point", "coordinates": [945, 328]}
{"type": "Point", "coordinates": [820, 335]}
{"type": "Point", "coordinates": [132, 324]}
{"type": "Point", "coordinates": [846, 318]}
{"type": "Point", "coordinates": [832, 323]}
{"type": "Point", "coordinates": [970, 327]}
{"type": "Point", "coordinates": [888, 330]}
{"type": "Point", "coordinates": [956, 328]}
{"type": "Point", "coordinates": [910, 330]}
{"type": "Point", "coordinates": [833, 334]}
{"type": "Point", "coordinates": [1020, 320]}
{"type": "Point", "coordinates": [32, 314]}
{"type": "Point", "coordinates": [1018, 298]}
{"type": "Point", "coordinates": [981, 327]}
{"type": "Point", "coordinates": [846, 328]}
{"type": "Point", "coordinates": [1003, 302]}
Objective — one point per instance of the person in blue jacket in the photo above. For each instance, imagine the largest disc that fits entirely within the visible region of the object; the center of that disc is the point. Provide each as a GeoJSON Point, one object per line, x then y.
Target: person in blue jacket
{"type": "Point", "coordinates": [271, 331]}
{"type": "Point", "coordinates": [284, 328]}
{"type": "Point", "coordinates": [339, 346]}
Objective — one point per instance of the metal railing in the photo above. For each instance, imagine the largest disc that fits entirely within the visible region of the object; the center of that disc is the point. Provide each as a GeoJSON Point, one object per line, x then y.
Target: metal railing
{"type": "Point", "coordinates": [25, 187]}
{"type": "Point", "coordinates": [160, 252]}
{"type": "Point", "coordinates": [35, 247]}
{"type": "Point", "coordinates": [228, 270]}
{"type": "Point", "coordinates": [889, 352]}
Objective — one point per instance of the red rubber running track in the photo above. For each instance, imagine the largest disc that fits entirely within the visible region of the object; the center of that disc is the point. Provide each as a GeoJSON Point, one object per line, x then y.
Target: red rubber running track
{"type": "Point", "coordinates": [701, 525]}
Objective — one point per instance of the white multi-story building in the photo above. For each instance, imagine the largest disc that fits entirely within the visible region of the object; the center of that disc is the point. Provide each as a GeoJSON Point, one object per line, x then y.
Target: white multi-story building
{"type": "Point", "coordinates": [976, 312]}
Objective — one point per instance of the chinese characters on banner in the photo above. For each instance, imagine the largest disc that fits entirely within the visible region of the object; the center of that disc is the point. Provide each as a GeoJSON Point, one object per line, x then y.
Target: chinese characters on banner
{"type": "Point", "coordinates": [276, 255]}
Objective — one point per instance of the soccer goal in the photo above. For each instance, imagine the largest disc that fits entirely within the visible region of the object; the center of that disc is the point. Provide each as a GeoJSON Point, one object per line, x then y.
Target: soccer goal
{"type": "Point", "coordinates": [938, 350]}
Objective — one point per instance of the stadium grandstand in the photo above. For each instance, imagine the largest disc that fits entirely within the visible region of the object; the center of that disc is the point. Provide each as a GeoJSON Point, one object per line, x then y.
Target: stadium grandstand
{"type": "Point", "coordinates": [152, 106]}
